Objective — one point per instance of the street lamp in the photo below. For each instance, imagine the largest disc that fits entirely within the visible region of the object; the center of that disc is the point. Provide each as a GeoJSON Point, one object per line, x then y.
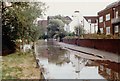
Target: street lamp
{"type": "Point", "coordinates": [82, 22]}
{"type": "Point", "coordinates": [90, 28]}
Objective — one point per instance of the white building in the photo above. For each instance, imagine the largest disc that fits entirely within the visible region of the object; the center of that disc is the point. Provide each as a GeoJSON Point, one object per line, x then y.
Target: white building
{"type": "Point", "coordinates": [67, 25]}
{"type": "Point", "coordinates": [67, 28]}
{"type": "Point", "coordinates": [78, 19]}
{"type": "Point", "coordinates": [93, 21]}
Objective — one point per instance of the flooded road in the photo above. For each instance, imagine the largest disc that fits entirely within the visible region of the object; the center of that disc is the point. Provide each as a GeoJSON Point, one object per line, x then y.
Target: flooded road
{"type": "Point", "coordinates": [57, 62]}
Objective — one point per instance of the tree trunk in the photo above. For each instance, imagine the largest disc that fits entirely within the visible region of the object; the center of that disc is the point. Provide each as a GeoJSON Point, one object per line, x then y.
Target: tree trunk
{"type": "Point", "coordinates": [34, 54]}
{"type": "Point", "coordinates": [22, 49]}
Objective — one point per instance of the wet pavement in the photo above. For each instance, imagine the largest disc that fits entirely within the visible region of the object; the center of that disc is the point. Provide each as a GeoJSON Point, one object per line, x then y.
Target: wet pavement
{"type": "Point", "coordinates": [94, 52]}
{"type": "Point", "coordinates": [58, 62]}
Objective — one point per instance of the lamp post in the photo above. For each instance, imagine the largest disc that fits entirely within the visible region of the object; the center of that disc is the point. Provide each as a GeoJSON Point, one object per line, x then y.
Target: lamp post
{"type": "Point", "coordinates": [82, 22]}
{"type": "Point", "coordinates": [90, 28]}
{"type": "Point", "coordinates": [95, 28]}
{"type": "Point", "coordinates": [83, 26]}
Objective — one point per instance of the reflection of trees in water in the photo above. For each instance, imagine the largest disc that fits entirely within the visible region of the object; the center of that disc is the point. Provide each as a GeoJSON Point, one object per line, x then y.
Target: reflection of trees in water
{"type": "Point", "coordinates": [43, 52]}
{"type": "Point", "coordinates": [53, 52]}
{"type": "Point", "coordinates": [57, 55]}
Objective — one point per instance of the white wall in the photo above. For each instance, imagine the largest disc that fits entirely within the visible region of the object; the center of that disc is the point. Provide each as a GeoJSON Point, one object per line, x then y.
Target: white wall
{"type": "Point", "coordinates": [67, 28]}
{"type": "Point", "coordinates": [92, 28]}
{"type": "Point", "coordinates": [77, 18]}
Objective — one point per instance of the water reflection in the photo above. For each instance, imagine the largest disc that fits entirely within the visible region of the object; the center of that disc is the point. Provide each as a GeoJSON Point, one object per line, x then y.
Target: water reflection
{"type": "Point", "coordinates": [59, 63]}
{"type": "Point", "coordinates": [54, 54]}
{"type": "Point", "coordinates": [108, 69]}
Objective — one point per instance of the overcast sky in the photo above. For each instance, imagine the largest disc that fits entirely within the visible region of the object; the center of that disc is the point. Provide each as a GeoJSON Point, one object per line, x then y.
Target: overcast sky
{"type": "Point", "coordinates": [67, 7]}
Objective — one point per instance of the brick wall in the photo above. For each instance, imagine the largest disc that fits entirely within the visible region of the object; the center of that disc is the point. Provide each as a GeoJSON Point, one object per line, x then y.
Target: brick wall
{"type": "Point", "coordinates": [110, 45]}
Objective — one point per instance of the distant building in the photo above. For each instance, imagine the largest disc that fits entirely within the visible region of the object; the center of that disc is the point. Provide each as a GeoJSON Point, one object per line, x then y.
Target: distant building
{"type": "Point", "coordinates": [67, 19]}
{"type": "Point", "coordinates": [50, 17]}
{"type": "Point", "coordinates": [109, 19]}
{"type": "Point", "coordinates": [78, 19]}
{"type": "Point", "coordinates": [67, 24]}
{"type": "Point", "coordinates": [43, 25]}
{"type": "Point", "coordinates": [67, 28]}
{"type": "Point", "coordinates": [93, 20]}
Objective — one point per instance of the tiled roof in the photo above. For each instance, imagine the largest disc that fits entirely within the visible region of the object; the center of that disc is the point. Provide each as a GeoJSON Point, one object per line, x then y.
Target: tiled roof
{"type": "Point", "coordinates": [111, 5]}
{"type": "Point", "coordinates": [114, 4]}
{"type": "Point", "coordinates": [93, 18]}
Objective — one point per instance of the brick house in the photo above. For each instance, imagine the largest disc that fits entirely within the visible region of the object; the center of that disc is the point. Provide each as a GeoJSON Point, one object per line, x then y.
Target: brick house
{"type": "Point", "coordinates": [43, 25]}
{"type": "Point", "coordinates": [108, 69]}
{"type": "Point", "coordinates": [93, 20]}
{"type": "Point", "coordinates": [109, 19]}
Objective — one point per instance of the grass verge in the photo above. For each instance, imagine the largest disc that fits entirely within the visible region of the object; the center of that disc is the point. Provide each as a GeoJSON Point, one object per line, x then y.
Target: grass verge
{"type": "Point", "coordinates": [19, 66]}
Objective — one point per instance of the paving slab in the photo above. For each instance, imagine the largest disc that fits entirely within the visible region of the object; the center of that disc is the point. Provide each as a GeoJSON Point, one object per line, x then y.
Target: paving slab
{"type": "Point", "coordinates": [91, 51]}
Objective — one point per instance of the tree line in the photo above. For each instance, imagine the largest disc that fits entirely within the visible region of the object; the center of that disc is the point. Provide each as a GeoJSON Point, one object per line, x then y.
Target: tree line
{"type": "Point", "coordinates": [19, 23]}
{"type": "Point", "coordinates": [56, 25]}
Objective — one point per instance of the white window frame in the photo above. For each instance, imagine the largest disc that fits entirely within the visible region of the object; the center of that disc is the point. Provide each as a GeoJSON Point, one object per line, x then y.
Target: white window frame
{"type": "Point", "coordinates": [107, 17]}
{"type": "Point", "coordinates": [96, 20]}
{"type": "Point", "coordinates": [89, 20]}
{"type": "Point", "coordinates": [101, 19]}
{"type": "Point", "coordinates": [101, 68]}
{"type": "Point", "coordinates": [101, 30]}
{"type": "Point", "coordinates": [107, 30]}
{"type": "Point", "coordinates": [108, 71]}
{"type": "Point", "coordinates": [116, 29]}
{"type": "Point", "coordinates": [116, 14]}
{"type": "Point", "coordinates": [117, 75]}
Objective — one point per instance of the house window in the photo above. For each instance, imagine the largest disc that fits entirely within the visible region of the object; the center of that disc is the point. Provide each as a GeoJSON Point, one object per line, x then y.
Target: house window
{"type": "Point", "coordinates": [101, 19]}
{"type": "Point", "coordinates": [116, 14]}
{"type": "Point", "coordinates": [116, 29]}
{"type": "Point", "coordinates": [89, 20]}
{"type": "Point", "coordinates": [96, 20]}
{"type": "Point", "coordinates": [107, 17]}
{"type": "Point", "coordinates": [117, 75]}
{"type": "Point", "coordinates": [101, 68]}
{"type": "Point", "coordinates": [108, 71]}
{"type": "Point", "coordinates": [107, 30]}
{"type": "Point", "coordinates": [101, 30]}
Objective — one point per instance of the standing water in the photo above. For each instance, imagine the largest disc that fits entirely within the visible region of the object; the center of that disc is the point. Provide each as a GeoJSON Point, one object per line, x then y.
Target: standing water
{"type": "Point", "coordinates": [57, 62]}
